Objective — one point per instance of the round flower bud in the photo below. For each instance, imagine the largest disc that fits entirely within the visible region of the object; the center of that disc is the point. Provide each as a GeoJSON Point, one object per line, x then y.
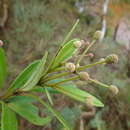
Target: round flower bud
{"type": "Point", "coordinates": [78, 44]}
{"type": "Point", "coordinates": [111, 59]}
{"type": "Point", "coordinates": [84, 76]}
{"type": "Point", "coordinates": [97, 35]}
{"type": "Point", "coordinates": [83, 42]}
{"type": "Point", "coordinates": [1, 43]}
{"type": "Point", "coordinates": [89, 101]}
{"type": "Point", "coordinates": [70, 67]}
{"type": "Point", "coordinates": [91, 55]}
{"type": "Point", "coordinates": [114, 89]}
{"type": "Point", "coordinates": [102, 59]}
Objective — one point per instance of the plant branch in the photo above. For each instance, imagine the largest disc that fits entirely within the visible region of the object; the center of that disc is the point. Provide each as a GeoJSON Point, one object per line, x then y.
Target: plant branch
{"type": "Point", "coordinates": [98, 82]}
{"type": "Point", "coordinates": [90, 65]}
{"type": "Point", "coordinates": [64, 81]}
{"type": "Point", "coordinates": [67, 73]}
{"type": "Point", "coordinates": [55, 76]}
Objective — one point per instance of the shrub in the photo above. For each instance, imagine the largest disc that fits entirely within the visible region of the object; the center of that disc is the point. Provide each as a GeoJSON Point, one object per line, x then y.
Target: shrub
{"type": "Point", "coordinates": [39, 77]}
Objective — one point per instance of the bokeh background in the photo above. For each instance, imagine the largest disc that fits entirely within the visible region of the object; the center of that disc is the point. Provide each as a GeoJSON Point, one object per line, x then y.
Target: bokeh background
{"type": "Point", "coordinates": [29, 27]}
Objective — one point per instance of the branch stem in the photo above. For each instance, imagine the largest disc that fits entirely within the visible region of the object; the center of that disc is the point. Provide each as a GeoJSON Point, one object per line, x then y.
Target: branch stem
{"type": "Point", "coordinates": [67, 73]}
{"type": "Point", "coordinates": [98, 82]}
{"type": "Point", "coordinates": [64, 81]}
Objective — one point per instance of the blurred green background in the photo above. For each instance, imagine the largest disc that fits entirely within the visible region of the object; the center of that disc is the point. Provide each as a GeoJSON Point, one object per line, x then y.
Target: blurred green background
{"type": "Point", "coordinates": [29, 27]}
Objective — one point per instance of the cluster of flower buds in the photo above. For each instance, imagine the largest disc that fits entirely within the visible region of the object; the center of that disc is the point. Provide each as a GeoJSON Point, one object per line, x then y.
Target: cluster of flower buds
{"type": "Point", "coordinates": [114, 89]}
{"type": "Point", "coordinates": [111, 59]}
{"type": "Point", "coordinates": [70, 67]}
{"type": "Point", "coordinates": [84, 76]}
{"type": "Point", "coordinates": [97, 35]}
{"type": "Point", "coordinates": [1, 43]}
{"type": "Point", "coordinates": [78, 44]}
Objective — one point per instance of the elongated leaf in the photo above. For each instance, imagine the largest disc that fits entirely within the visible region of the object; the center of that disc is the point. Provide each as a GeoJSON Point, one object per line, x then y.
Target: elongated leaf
{"type": "Point", "coordinates": [23, 77]}
{"type": "Point", "coordinates": [65, 53]}
{"type": "Point", "coordinates": [41, 90]}
{"type": "Point", "coordinates": [21, 99]}
{"type": "Point", "coordinates": [72, 91]}
{"type": "Point", "coordinates": [51, 90]}
{"type": "Point", "coordinates": [35, 77]}
{"type": "Point", "coordinates": [56, 80]}
{"type": "Point", "coordinates": [8, 121]}
{"type": "Point", "coordinates": [54, 112]}
{"type": "Point", "coordinates": [29, 112]}
{"type": "Point", "coordinates": [48, 96]}
{"type": "Point", "coordinates": [3, 69]}
{"type": "Point", "coordinates": [77, 94]}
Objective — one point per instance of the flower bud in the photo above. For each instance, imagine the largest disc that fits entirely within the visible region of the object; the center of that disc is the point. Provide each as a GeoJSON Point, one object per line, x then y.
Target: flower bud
{"type": "Point", "coordinates": [111, 59]}
{"type": "Point", "coordinates": [70, 67]}
{"type": "Point", "coordinates": [91, 55]}
{"type": "Point", "coordinates": [89, 101]}
{"type": "Point", "coordinates": [114, 89]}
{"type": "Point", "coordinates": [83, 42]}
{"type": "Point", "coordinates": [97, 35]}
{"type": "Point", "coordinates": [102, 59]}
{"type": "Point", "coordinates": [78, 44]}
{"type": "Point", "coordinates": [84, 76]}
{"type": "Point", "coordinates": [1, 43]}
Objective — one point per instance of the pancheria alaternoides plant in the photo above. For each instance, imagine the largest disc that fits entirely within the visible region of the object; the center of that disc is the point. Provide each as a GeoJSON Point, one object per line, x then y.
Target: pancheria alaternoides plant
{"type": "Point", "coordinates": [38, 77]}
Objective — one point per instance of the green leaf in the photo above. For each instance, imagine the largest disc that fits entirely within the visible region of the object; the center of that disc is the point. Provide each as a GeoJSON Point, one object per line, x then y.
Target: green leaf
{"type": "Point", "coordinates": [23, 77]}
{"type": "Point", "coordinates": [41, 90]}
{"type": "Point", "coordinates": [70, 32]}
{"type": "Point", "coordinates": [54, 112]}
{"type": "Point", "coordinates": [77, 94]}
{"type": "Point", "coordinates": [35, 77]}
{"type": "Point", "coordinates": [44, 90]}
{"type": "Point", "coordinates": [48, 96]}
{"type": "Point", "coordinates": [55, 80]}
{"type": "Point", "coordinates": [22, 99]}
{"type": "Point", "coordinates": [8, 121]}
{"type": "Point", "coordinates": [29, 112]}
{"type": "Point", "coordinates": [51, 90]}
{"type": "Point", "coordinates": [3, 67]}
{"type": "Point", "coordinates": [65, 53]}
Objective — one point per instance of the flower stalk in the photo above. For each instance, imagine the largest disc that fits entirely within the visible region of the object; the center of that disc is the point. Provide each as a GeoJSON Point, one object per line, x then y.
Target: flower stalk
{"type": "Point", "coordinates": [98, 83]}
{"type": "Point", "coordinates": [80, 68]}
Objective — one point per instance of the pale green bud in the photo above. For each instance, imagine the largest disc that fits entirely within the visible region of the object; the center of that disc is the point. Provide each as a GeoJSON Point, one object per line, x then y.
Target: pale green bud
{"type": "Point", "coordinates": [97, 35]}
{"type": "Point", "coordinates": [111, 59]}
{"type": "Point", "coordinates": [114, 89]}
{"type": "Point", "coordinates": [84, 76]}
{"type": "Point", "coordinates": [70, 67]}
